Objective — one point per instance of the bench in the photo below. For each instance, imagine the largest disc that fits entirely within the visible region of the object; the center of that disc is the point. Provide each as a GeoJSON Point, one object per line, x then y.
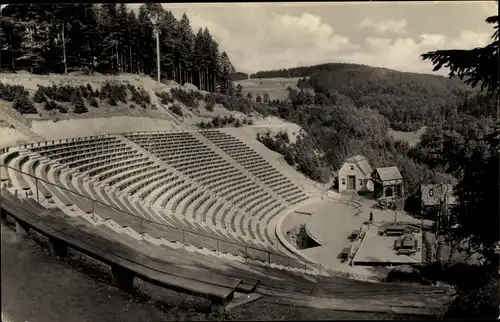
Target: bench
{"type": "Point", "coordinates": [124, 262]}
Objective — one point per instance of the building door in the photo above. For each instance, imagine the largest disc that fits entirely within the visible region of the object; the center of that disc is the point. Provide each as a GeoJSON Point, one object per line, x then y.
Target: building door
{"type": "Point", "coordinates": [351, 183]}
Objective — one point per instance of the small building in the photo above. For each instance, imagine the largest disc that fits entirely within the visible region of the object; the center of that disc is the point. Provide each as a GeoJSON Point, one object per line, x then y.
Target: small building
{"type": "Point", "coordinates": [354, 175]}
{"type": "Point", "coordinates": [433, 196]}
{"type": "Point", "coordinates": [387, 183]}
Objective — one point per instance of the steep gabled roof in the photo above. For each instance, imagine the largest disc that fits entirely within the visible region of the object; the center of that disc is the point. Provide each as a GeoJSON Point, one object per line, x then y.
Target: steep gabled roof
{"type": "Point", "coordinates": [389, 173]}
{"type": "Point", "coordinates": [362, 163]}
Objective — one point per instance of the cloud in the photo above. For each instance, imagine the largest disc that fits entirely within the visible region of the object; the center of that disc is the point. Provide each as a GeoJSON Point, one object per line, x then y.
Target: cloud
{"type": "Point", "coordinates": [259, 40]}
{"type": "Point", "coordinates": [404, 53]}
{"type": "Point", "coordinates": [385, 26]}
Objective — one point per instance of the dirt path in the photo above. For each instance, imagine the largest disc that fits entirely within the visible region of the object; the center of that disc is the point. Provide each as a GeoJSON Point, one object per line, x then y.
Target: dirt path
{"type": "Point", "coordinates": [36, 287]}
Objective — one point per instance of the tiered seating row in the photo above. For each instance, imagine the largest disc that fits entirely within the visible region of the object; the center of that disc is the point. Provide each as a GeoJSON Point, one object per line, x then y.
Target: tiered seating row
{"type": "Point", "coordinates": [256, 165]}
{"type": "Point", "coordinates": [193, 158]}
{"type": "Point", "coordinates": [194, 233]}
{"type": "Point", "coordinates": [196, 187]}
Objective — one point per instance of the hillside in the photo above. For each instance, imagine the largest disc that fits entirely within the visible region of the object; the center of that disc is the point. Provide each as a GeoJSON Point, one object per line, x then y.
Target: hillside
{"type": "Point", "coordinates": [408, 100]}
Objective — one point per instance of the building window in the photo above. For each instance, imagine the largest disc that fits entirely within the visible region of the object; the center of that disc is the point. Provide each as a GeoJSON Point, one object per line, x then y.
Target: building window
{"type": "Point", "coordinates": [343, 180]}
{"type": "Point", "coordinates": [360, 182]}
{"type": "Point", "coordinates": [352, 167]}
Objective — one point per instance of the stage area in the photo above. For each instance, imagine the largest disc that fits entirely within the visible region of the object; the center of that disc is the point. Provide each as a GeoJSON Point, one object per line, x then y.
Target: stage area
{"type": "Point", "coordinates": [379, 250]}
{"type": "Point", "coordinates": [330, 225]}
{"type": "Point", "coordinates": [332, 222]}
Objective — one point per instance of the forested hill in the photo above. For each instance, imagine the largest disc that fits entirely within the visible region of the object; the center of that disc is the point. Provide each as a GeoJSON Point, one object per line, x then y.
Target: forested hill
{"type": "Point", "coordinates": [109, 38]}
{"type": "Point", "coordinates": [407, 100]}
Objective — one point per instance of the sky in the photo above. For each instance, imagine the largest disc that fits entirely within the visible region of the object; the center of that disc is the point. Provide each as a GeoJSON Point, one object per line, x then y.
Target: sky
{"type": "Point", "coordinates": [263, 36]}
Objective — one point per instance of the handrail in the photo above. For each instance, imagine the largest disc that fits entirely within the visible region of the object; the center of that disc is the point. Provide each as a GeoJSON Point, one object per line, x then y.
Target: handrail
{"type": "Point", "coordinates": [92, 249]}
{"type": "Point", "coordinates": [93, 201]}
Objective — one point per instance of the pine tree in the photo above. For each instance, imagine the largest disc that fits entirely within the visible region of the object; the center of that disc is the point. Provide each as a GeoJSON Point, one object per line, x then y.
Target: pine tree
{"type": "Point", "coordinates": [109, 38]}
{"type": "Point", "coordinates": [186, 47]}
{"type": "Point", "coordinates": [225, 71]}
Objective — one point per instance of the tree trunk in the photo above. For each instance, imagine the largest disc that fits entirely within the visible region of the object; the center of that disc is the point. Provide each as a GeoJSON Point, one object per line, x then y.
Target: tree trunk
{"type": "Point", "coordinates": [180, 71]}
{"type": "Point", "coordinates": [200, 84]}
{"type": "Point", "coordinates": [117, 58]}
{"type": "Point", "coordinates": [130, 57]}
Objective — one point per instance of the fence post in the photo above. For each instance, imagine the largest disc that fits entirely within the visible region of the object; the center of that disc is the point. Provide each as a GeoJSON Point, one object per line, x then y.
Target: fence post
{"type": "Point", "coordinates": [269, 258]}
{"type": "Point", "coordinates": [142, 228]}
{"type": "Point", "coordinates": [183, 237]}
{"type": "Point", "coordinates": [37, 193]}
{"type": "Point", "coordinates": [246, 253]}
{"type": "Point", "coordinates": [92, 208]}
{"type": "Point", "coordinates": [218, 252]}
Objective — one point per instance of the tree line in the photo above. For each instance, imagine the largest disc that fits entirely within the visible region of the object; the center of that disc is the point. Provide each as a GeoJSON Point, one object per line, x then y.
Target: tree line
{"type": "Point", "coordinates": [109, 38]}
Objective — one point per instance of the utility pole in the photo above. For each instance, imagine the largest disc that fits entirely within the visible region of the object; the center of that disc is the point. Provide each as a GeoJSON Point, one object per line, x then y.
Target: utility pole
{"type": "Point", "coordinates": [441, 206]}
{"type": "Point", "coordinates": [154, 21]}
{"type": "Point", "coordinates": [157, 33]}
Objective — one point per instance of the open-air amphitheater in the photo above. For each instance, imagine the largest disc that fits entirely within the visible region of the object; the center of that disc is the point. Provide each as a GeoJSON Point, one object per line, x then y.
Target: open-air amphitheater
{"type": "Point", "coordinates": [199, 212]}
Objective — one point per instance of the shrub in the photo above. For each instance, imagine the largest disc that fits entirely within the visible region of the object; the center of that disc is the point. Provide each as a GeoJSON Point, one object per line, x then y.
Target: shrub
{"type": "Point", "coordinates": [65, 93]}
{"type": "Point", "coordinates": [187, 98]}
{"type": "Point", "coordinates": [116, 92]}
{"type": "Point", "coordinates": [140, 96]}
{"type": "Point", "coordinates": [10, 92]}
{"type": "Point", "coordinates": [39, 96]}
{"type": "Point", "coordinates": [80, 108]}
{"type": "Point", "coordinates": [90, 90]}
{"type": "Point", "coordinates": [23, 104]}
{"type": "Point", "coordinates": [93, 102]}
{"type": "Point", "coordinates": [62, 109]}
{"type": "Point", "coordinates": [237, 123]}
{"type": "Point", "coordinates": [210, 106]}
{"type": "Point", "coordinates": [176, 109]}
{"type": "Point", "coordinates": [289, 157]}
{"type": "Point", "coordinates": [132, 106]}
{"type": "Point", "coordinates": [112, 101]}
{"type": "Point", "coordinates": [50, 105]}
{"type": "Point", "coordinates": [75, 97]}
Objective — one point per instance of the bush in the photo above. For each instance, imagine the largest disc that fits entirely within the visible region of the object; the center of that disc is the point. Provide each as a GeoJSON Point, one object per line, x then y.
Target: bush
{"type": "Point", "coordinates": [210, 106]}
{"type": "Point", "coordinates": [93, 102]}
{"type": "Point", "coordinates": [23, 104]}
{"type": "Point", "coordinates": [62, 109]}
{"type": "Point", "coordinates": [80, 108]}
{"type": "Point", "coordinates": [10, 92]}
{"type": "Point", "coordinates": [140, 96]}
{"type": "Point", "coordinates": [64, 93]}
{"type": "Point", "coordinates": [132, 106]}
{"type": "Point", "coordinates": [114, 92]}
{"type": "Point", "coordinates": [112, 101]}
{"type": "Point", "coordinates": [165, 98]}
{"type": "Point", "coordinates": [50, 105]}
{"type": "Point", "coordinates": [187, 98]}
{"type": "Point", "coordinates": [176, 109]}
{"type": "Point", "coordinates": [39, 96]}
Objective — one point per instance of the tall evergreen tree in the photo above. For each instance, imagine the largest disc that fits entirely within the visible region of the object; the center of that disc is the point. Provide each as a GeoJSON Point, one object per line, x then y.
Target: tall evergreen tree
{"type": "Point", "coordinates": [109, 38]}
